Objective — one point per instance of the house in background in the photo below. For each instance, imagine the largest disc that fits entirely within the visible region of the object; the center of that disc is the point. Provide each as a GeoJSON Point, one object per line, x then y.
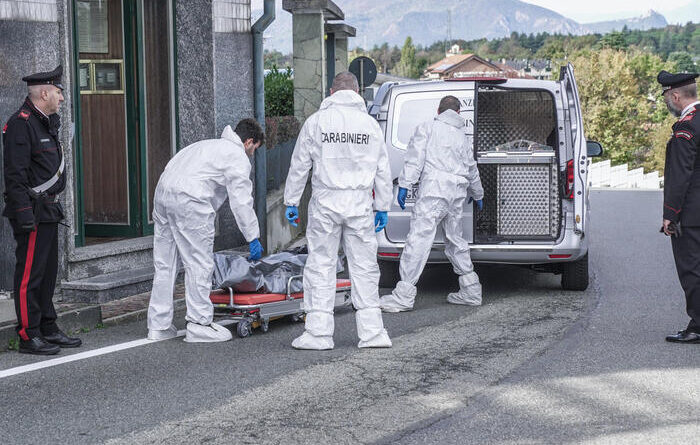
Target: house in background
{"type": "Point", "coordinates": [540, 69]}
{"type": "Point", "coordinates": [468, 65]}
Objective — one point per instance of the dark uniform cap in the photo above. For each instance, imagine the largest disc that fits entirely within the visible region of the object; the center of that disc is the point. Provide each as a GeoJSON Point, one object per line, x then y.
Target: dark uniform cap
{"type": "Point", "coordinates": [668, 80]}
{"type": "Point", "coordinates": [49, 78]}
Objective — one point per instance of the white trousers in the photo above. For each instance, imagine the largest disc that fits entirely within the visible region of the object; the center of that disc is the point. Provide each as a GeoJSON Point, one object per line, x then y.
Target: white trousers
{"type": "Point", "coordinates": [182, 229]}
{"type": "Point", "coordinates": [428, 212]}
{"type": "Point", "coordinates": [324, 232]}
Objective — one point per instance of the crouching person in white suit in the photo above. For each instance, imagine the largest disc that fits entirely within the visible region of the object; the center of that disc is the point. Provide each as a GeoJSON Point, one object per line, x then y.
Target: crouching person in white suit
{"type": "Point", "coordinates": [195, 183]}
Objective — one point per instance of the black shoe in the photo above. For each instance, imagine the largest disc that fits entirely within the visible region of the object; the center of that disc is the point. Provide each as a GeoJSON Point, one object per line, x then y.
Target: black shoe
{"type": "Point", "coordinates": [62, 340]}
{"type": "Point", "coordinates": [37, 346]}
{"type": "Point", "coordinates": [684, 337]}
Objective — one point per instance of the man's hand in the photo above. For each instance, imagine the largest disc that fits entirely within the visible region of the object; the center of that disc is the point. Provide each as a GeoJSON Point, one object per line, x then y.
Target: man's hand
{"type": "Point", "coordinates": [255, 249]}
{"type": "Point", "coordinates": [667, 228]}
{"type": "Point", "coordinates": [479, 203]}
{"type": "Point", "coordinates": [292, 215]}
{"type": "Point", "coordinates": [380, 220]}
{"type": "Point", "coordinates": [401, 197]}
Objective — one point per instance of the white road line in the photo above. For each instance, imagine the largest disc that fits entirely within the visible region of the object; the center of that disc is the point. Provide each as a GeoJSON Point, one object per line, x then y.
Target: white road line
{"type": "Point", "coordinates": [89, 354]}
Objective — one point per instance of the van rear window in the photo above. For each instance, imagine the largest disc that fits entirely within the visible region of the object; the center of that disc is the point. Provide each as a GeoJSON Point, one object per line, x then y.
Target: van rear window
{"type": "Point", "coordinates": [412, 109]}
{"type": "Point", "coordinates": [515, 118]}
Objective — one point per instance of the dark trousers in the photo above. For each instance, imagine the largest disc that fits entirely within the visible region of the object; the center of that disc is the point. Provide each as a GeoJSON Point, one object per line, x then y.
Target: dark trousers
{"type": "Point", "coordinates": [35, 280]}
{"type": "Point", "coordinates": [686, 252]}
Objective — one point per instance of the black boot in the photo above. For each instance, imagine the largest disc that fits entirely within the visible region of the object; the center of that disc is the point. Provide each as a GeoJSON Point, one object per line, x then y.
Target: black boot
{"type": "Point", "coordinates": [37, 346]}
{"type": "Point", "coordinates": [60, 339]}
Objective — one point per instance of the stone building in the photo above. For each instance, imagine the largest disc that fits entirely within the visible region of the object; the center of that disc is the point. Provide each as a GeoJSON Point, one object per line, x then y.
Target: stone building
{"type": "Point", "coordinates": [143, 79]}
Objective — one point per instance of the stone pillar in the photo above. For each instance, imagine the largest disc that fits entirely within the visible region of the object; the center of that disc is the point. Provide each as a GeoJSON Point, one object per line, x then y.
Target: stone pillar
{"type": "Point", "coordinates": [341, 33]}
{"type": "Point", "coordinates": [309, 52]}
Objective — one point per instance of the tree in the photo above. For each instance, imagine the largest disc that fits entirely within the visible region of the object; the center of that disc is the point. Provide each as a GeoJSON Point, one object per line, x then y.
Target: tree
{"type": "Point", "coordinates": [408, 66]}
{"type": "Point", "coordinates": [613, 109]}
{"type": "Point", "coordinates": [614, 40]}
{"type": "Point", "coordinates": [683, 61]}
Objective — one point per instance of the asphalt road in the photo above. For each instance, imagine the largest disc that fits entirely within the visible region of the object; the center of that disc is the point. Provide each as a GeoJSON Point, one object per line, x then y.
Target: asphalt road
{"type": "Point", "coordinates": [533, 364]}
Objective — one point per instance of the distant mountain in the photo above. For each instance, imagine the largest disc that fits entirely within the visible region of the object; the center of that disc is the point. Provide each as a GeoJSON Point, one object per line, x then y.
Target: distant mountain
{"type": "Point", "coordinates": [426, 21]}
{"type": "Point", "coordinates": [651, 19]}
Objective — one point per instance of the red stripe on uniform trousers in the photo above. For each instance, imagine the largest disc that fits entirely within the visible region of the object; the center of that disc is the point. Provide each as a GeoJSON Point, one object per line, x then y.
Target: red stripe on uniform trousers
{"type": "Point", "coordinates": [23, 309]}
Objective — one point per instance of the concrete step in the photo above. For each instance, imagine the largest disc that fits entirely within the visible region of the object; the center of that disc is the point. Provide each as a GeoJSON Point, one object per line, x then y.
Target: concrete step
{"type": "Point", "coordinates": [110, 257]}
{"type": "Point", "coordinates": [7, 311]}
{"type": "Point", "coordinates": [108, 286]}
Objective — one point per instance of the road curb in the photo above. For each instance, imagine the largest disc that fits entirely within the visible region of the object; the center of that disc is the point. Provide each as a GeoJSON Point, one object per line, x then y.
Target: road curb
{"type": "Point", "coordinates": [138, 315]}
{"type": "Point", "coordinates": [74, 320]}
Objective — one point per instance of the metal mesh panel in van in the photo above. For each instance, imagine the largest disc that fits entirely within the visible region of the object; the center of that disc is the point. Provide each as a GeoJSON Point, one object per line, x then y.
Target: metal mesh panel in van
{"type": "Point", "coordinates": [508, 115]}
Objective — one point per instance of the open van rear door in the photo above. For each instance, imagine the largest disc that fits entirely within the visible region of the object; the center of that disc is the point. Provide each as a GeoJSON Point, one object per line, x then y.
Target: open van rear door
{"type": "Point", "coordinates": [580, 163]}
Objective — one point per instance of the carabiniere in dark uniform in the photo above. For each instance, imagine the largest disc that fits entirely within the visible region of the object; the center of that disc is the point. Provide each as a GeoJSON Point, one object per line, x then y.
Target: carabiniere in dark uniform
{"type": "Point", "coordinates": [33, 171]}
{"type": "Point", "coordinates": [682, 193]}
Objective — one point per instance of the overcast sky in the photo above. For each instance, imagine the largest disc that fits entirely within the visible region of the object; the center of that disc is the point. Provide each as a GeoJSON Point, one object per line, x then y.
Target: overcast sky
{"type": "Point", "coordinates": [599, 10]}
{"type": "Point", "coordinates": [675, 11]}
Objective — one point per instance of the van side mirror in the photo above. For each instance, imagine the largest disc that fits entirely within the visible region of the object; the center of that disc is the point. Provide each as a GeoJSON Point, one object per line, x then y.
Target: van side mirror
{"type": "Point", "coordinates": [594, 149]}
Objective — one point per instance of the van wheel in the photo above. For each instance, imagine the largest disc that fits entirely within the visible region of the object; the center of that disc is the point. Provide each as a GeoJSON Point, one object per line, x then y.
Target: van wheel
{"type": "Point", "coordinates": [389, 273]}
{"type": "Point", "coordinates": [574, 275]}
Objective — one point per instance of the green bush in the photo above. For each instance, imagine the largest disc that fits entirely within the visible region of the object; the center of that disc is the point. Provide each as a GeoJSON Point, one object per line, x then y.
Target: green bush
{"type": "Point", "coordinates": [279, 93]}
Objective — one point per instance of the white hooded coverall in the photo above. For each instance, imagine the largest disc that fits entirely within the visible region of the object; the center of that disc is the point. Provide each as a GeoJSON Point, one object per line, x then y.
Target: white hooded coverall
{"type": "Point", "coordinates": [193, 186]}
{"type": "Point", "coordinates": [345, 147]}
{"type": "Point", "coordinates": [440, 156]}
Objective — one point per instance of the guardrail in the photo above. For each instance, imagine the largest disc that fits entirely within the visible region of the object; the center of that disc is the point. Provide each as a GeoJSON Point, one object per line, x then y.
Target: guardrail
{"type": "Point", "coordinates": [603, 174]}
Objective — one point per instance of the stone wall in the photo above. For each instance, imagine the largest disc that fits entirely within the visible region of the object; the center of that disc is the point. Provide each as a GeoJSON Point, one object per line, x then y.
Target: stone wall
{"type": "Point", "coordinates": [233, 89]}
{"type": "Point", "coordinates": [29, 36]}
{"type": "Point", "coordinates": [195, 65]}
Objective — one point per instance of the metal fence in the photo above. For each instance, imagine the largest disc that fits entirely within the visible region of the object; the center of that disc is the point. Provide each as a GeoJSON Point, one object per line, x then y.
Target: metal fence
{"type": "Point", "coordinates": [278, 160]}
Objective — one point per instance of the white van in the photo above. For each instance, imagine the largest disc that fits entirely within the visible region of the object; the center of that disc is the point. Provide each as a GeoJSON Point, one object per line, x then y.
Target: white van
{"type": "Point", "coordinates": [533, 159]}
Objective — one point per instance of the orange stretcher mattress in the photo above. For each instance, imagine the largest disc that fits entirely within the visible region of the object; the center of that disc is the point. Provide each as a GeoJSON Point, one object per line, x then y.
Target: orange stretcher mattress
{"type": "Point", "coordinates": [222, 296]}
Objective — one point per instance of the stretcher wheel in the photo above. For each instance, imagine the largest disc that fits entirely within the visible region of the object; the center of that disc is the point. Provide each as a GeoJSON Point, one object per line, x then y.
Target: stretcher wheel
{"type": "Point", "coordinates": [296, 318]}
{"type": "Point", "coordinates": [244, 328]}
{"type": "Point", "coordinates": [265, 325]}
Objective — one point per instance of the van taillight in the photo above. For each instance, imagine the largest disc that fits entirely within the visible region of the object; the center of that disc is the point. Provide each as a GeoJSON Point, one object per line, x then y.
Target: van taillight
{"type": "Point", "coordinates": [569, 185]}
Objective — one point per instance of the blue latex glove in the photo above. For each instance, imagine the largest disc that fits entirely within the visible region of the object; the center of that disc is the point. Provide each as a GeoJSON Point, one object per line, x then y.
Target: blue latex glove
{"type": "Point", "coordinates": [292, 215]}
{"type": "Point", "coordinates": [401, 197]}
{"type": "Point", "coordinates": [256, 250]}
{"type": "Point", "coordinates": [479, 203]}
{"type": "Point", "coordinates": [380, 220]}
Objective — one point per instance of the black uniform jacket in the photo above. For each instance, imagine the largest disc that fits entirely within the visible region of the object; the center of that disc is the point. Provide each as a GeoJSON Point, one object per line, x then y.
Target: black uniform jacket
{"type": "Point", "coordinates": [682, 171]}
{"type": "Point", "coordinates": [32, 155]}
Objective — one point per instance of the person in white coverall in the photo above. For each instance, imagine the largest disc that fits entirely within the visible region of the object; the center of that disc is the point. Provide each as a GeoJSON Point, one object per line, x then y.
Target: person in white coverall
{"type": "Point", "coordinates": [440, 157]}
{"type": "Point", "coordinates": [193, 186]}
{"type": "Point", "coordinates": [345, 147]}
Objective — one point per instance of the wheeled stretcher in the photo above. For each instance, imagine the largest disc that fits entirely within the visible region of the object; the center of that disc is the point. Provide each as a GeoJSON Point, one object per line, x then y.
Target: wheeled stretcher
{"type": "Point", "coordinates": [252, 310]}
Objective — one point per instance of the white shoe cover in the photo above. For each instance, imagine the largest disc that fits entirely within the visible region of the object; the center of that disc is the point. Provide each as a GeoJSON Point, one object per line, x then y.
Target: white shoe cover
{"type": "Point", "coordinates": [308, 341]}
{"type": "Point", "coordinates": [388, 304]}
{"type": "Point", "coordinates": [469, 291]}
{"type": "Point", "coordinates": [401, 298]}
{"type": "Point", "coordinates": [197, 333]}
{"type": "Point", "coordinates": [380, 340]}
{"type": "Point", "coordinates": [165, 334]}
{"type": "Point", "coordinates": [459, 298]}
